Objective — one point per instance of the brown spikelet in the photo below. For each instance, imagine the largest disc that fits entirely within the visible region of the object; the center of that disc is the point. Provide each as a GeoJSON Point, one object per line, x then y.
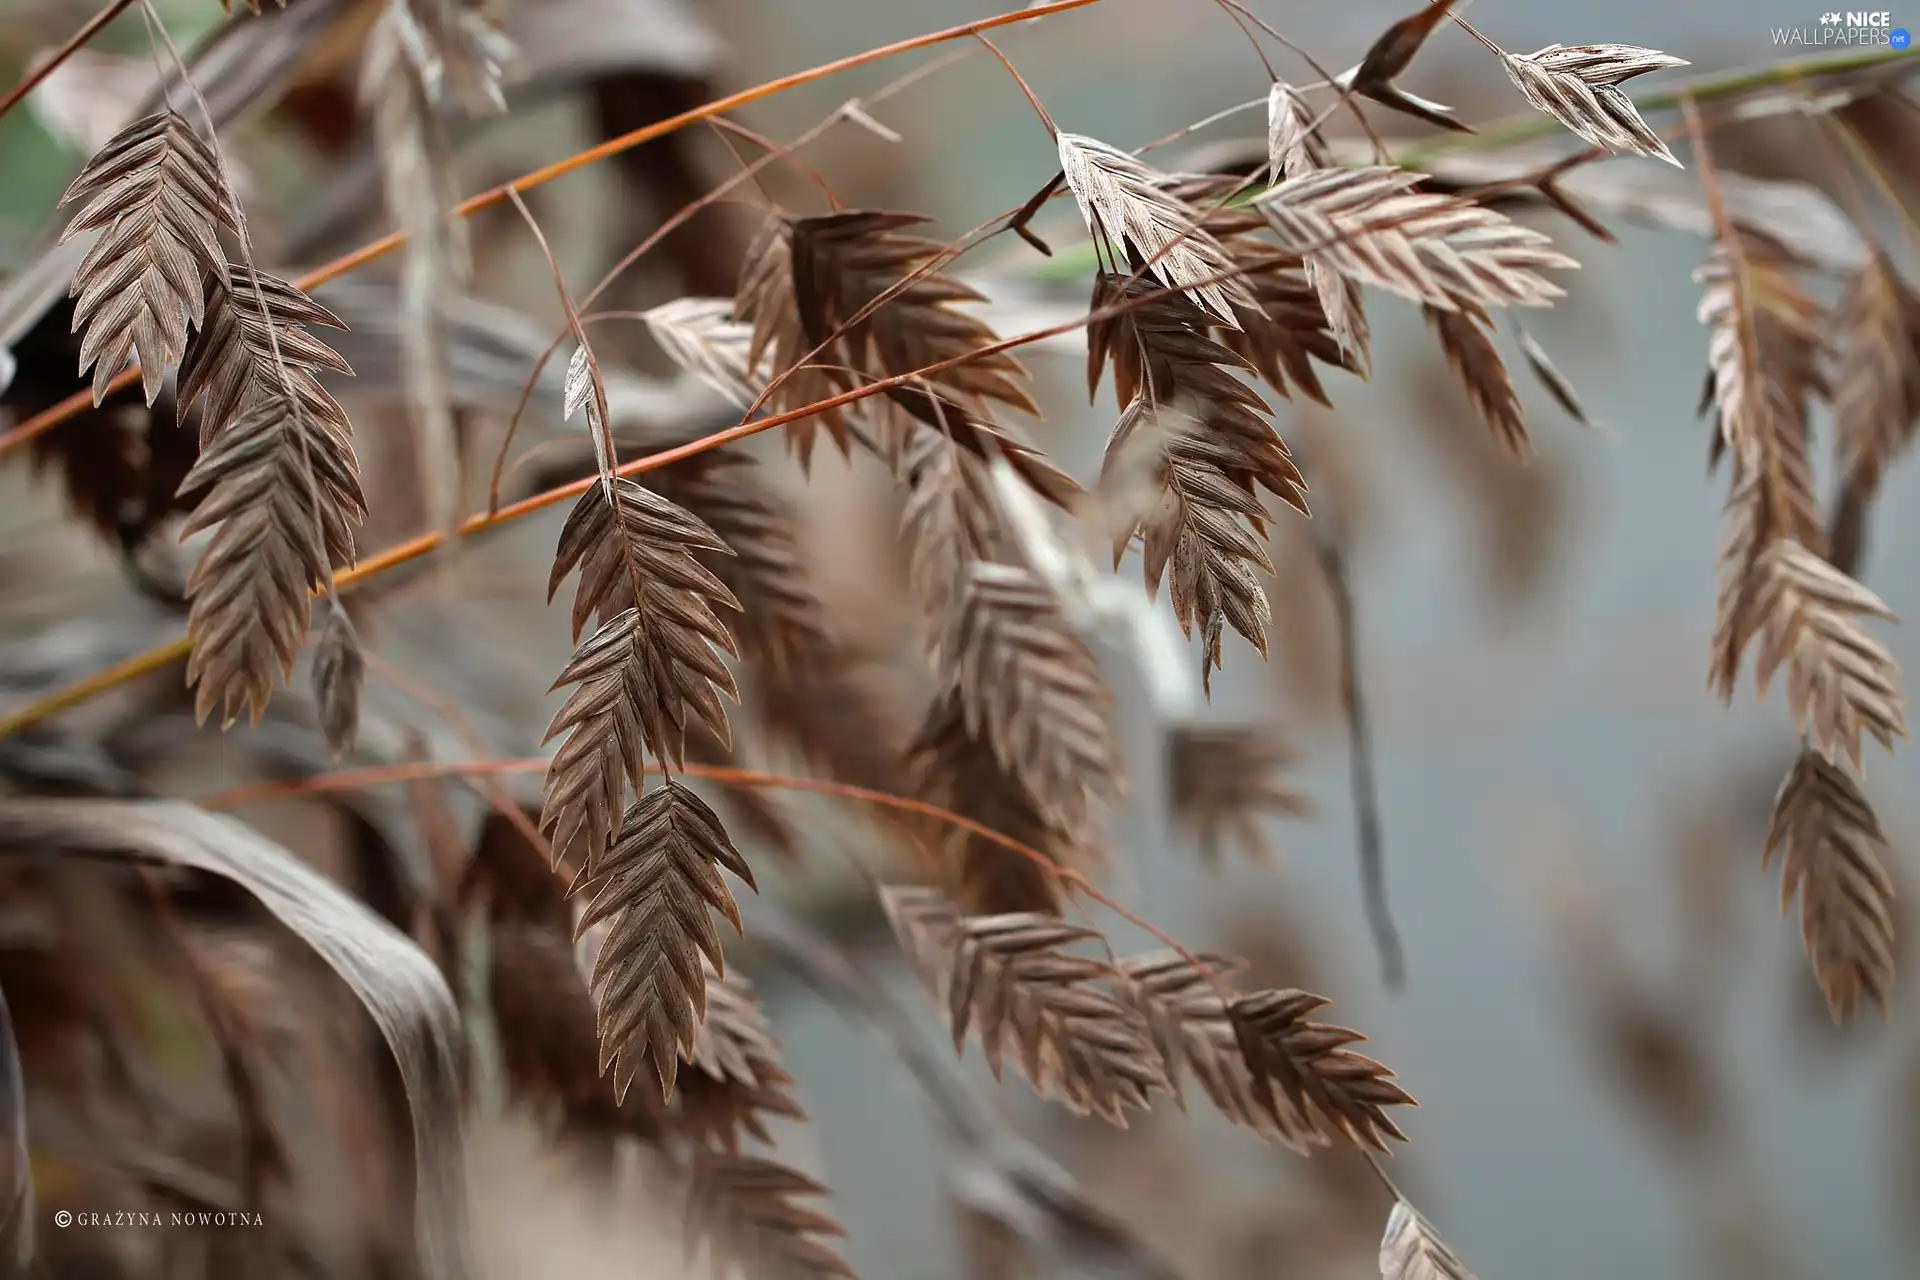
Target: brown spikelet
{"type": "Point", "coordinates": [1030, 689]}
{"type": "Point", "coordinates": [1748, 532]}
{"type": "Point", "coordinates": [1186, 1014]}
{"type": "Point", "coordinates": [1222, 781]}
{"type": "Point", "coordinates": [702, 337]}
{"type": "Point", "coordinates": [1209, 451]}
{"type": "Point", "coordinates": [121, 464]}
{"type": "Point", "coordinates": [276, 538]}
{"type": "Point", "coordinates": [1552, 379]}
{"type": "Point", "coordinates": [844, 263]}
{"type": "Point", "coordinates": [1074, 1042]}
{"type": "Point", "coordinates": [926, 924]}
{"type": "Point", "coordinates": [1764, 356]}
{"type": "Point", "coordinates": [1834, 860]}
{"type": "Point", "coordinates": [1373, 77]}
{"type": "Point", "coordinates": [766, 301]}
{"type": "Point", "coordinates": [339, 673]}
{"type": "Point", "coordinates": [734, 1080]}
{"type": "Point", "coordinates": [1369, 224]}
{"type": "Point", "coordinates": [1840, 681]}
{"type": "Point", "coordinates": [540, 1003]}
{"type": "Point", "coordinates": [1294, 321]}
{"type": "Point", "coordinates": [1127, 206]}
{"type": "Point", "coordinates": [780, 615]}
{"type": "Point", "coordinates": [1298, 315]}
{"type": "Point", "coordinates": [1006, 976]}
{"type": "Point", "coordinates": [1294, 147]}
{"type": "Point", "coordinates": [654, 665]}
{"type": "Point", "coordinates": [951, 517]}
{"type": "Point", "coordinates": [1467, 341]}
{"type": "Point", "coordinates": [1312, 1071]}
{"type": "Point", "coordinates": [656, 884]}
{"type": "Point", "coordinates": [959, 770]}
{"type": "Point", "coordinates": [231, 357]}
{"type": "Point", "coordinates": [1577, 87]}
{"type": "Point", "coordinates": [744, 1210]}
{"type": "Point", "coordinates": [986, 440]}
{"type": "Point", "coordinates": [155, 194]}
{"type": "Point", "coordinates": [1412, 1250]}
{"type": "Point", "coordinates": [1876, 384]}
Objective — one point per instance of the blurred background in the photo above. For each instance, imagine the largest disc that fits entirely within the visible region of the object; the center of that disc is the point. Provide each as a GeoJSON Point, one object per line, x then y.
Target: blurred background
{"type": "Point", "coordinates": [1622, 1062]}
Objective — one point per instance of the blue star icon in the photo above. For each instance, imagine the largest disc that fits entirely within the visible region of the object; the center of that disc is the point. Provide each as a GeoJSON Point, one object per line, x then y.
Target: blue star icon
{"type": "Point", "coordinates": [1899, 38]}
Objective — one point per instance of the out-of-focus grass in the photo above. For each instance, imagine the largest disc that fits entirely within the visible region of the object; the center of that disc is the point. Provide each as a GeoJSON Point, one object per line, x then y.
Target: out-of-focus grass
{"type": "Point", "coordinates": [38, 166]}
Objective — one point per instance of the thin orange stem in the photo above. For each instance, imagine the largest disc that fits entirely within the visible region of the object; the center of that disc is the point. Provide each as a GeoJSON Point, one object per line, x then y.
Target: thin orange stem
{"type": "Point", "coordinates": [34, 78]}
{"type": "Point", "coordinates": [383, 775]}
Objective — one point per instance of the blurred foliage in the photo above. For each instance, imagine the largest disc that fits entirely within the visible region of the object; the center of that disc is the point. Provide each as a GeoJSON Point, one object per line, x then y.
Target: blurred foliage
{"type": "Point", "coordinates": [38, 166]}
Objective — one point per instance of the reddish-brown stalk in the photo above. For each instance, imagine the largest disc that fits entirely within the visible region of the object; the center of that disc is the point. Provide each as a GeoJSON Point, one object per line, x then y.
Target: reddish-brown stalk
{"type": "Point", "coordinates": [387, 775]}
{"type": "Point", "coordinates": [34, 78]}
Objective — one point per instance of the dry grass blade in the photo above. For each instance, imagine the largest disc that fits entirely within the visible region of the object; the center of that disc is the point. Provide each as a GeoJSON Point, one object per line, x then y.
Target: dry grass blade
{"type": "Point", "coordinates": [1074, 1042]}
{"type": "Point", "coordinates": [1370, 224]}
{"type": "Point", "coordinates": [844, 264]}
{"type": "Point", "coordinates": [231, 359]}
{"type": "Point", "coordinates": [1834, 860]}
{"type": "Point", "coordinates": [735, 1081]}
{"type": "Point", "coordinates": [1031, 689]}
{"type": "Point", "coordinates": [744, 1210]}
{"type": "Point", "coordinates": [339, 673]}
{"type": "Point", "coordinates": [1199, 434]}
{"type": "Point", "coordinates": [1222, 781]}
{"type": "Point", "coordinates": [1466, 338]}
{"type": "Point", "coordinates": [656, 884]}
{"type": "Point", "coordinates": [277, 538]}
{"type": "Point", "coordinates": [1576, 86]}
{"type": "Point", "coordinates": [1764, 356]}
{"type": "Point", "coordinates": [1304, 1065]}
{"type": "Point", "coordinates": [654, 665]}
{"type": "Point", "coordinates": [399, 986]}
{"type": "Point", "coordinates": [1187, 1018]}
{"type": "Point", "coordinates": [1840, 681]}
{"type": "Point", "coordinates": [155, 194]}
{"type": "Point", "coordinates": [1392, 54]}
{"type": "Point", "coordinates": [1412, 1250]}
{"type": "Point", "coordinates": [1125, 204]}
{"type": "Point", "coordinates": [703, 338]}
